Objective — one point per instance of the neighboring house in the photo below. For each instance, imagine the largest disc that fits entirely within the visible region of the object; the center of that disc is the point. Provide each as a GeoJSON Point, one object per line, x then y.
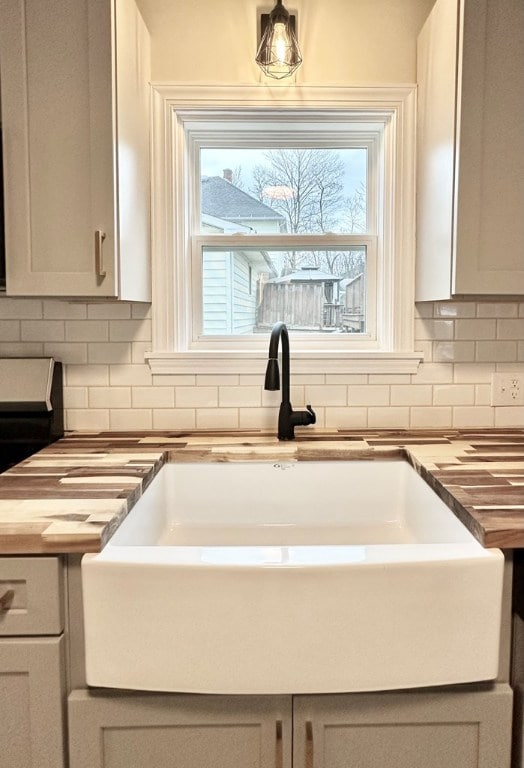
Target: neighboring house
{"type": "Point", "coordinates": [308, 298]}
{"type": "Point", "coordinates": [232, 279]}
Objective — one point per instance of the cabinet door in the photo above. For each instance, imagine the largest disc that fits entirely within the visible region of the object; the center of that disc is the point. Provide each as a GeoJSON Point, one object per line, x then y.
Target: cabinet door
{"type": "Point", "coordinates": [58, 133]}
{"type": "Point", "coordinates": [459, 729]}
{"type": "Point", "coordinates": [116, 730]}
{"type": "Point", "coordinates": [32, 695]}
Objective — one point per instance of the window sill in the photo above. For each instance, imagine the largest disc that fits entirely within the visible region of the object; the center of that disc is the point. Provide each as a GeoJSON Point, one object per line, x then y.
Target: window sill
{"type": "Point", "coordinates": [213, 362]}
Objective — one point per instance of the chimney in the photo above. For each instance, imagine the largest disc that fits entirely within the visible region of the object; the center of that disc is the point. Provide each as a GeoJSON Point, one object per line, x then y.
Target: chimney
{"type": "Point", "coordinates": [228, 175]}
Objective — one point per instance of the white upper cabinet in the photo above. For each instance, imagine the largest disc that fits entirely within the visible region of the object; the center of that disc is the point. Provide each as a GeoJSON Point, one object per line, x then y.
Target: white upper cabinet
{"type": "Point", "coordinates": [470, 185]}
{"type": "Point", "coordinates": [75, 118]}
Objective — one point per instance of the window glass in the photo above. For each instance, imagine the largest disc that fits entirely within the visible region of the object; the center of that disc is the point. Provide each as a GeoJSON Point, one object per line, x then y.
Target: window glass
{"type": "Point", "coordinates": [245, 290]}
{"type": "Point", "coordinates": [300, 190]}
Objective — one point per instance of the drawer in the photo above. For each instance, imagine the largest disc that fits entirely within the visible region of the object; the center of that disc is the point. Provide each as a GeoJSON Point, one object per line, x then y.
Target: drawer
{"type": "Point", "coordinates": [31, 596]}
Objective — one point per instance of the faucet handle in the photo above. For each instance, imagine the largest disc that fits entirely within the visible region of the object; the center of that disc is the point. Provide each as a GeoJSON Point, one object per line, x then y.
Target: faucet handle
{"type": "Point", "coordinates": [313, 415]}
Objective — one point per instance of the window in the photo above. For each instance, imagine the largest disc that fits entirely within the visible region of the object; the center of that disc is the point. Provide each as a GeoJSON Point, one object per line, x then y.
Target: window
{"type": "Point", "coordinates": [269, 209]}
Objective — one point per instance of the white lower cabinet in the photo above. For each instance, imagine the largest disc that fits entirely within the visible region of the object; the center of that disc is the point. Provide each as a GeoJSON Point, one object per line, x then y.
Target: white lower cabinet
{"type": "Point", "coordinates": [32, 664]}
{"type": "Point", "coordinates": [119, 730]}
{"type": "Point", "coordinates": [461, 727]}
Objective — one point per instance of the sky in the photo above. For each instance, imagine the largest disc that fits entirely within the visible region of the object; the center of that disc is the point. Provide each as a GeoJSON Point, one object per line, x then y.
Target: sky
{"type": "Point", "coordinates": [214, 160]}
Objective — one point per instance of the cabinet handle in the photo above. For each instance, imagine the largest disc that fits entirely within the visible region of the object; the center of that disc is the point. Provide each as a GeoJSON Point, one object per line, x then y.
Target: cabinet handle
{"type": "Point", "coordinates": [278, 745]}
{"type": "Point", "coordinates": [309, 745]}
{"type": "Point", "coordinates": [6, 601]}
{"type": "Point", "coordinates": [99, 253]}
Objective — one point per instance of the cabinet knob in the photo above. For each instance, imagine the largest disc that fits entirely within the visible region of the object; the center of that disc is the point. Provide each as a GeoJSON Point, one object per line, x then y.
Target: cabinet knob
{"type": "Point", "coordinates": [99, 253]}
{"type": "Point", "coordinates": [6, 601]}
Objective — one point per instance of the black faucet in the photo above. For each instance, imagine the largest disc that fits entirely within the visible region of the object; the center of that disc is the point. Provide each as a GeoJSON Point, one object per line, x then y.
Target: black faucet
{"type": "Point", "coordinates": [288, 419]}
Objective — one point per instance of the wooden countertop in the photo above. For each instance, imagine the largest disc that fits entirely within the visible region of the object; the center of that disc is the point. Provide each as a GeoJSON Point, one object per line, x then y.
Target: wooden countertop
{"type": "Point", "coordinates": [72, 496]}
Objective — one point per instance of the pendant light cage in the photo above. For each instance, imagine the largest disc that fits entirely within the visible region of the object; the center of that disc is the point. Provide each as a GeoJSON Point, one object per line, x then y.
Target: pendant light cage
{"type": "Point", "coordinates": [278, 54]}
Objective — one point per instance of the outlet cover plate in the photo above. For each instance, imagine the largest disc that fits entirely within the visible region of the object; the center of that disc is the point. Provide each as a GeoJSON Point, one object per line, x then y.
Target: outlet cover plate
{"type": "Point", "coordinates": [507, 389]}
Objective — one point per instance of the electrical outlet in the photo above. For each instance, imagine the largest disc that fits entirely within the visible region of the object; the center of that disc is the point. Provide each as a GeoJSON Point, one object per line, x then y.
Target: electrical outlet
{"type": "Point", "coordinates": [507, 389]}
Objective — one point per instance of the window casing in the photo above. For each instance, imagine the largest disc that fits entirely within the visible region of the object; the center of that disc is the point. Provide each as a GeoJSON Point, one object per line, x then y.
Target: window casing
{"type": "Point", "coordinates": [188, 119]}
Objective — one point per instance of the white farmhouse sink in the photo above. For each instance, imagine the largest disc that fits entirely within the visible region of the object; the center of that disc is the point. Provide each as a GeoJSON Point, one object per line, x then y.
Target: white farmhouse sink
{"type": "Point", "coordinates": [291, 578]}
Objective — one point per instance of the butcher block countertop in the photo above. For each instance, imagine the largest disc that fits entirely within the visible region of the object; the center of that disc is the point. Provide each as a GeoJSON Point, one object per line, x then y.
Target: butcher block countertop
{"type": "Point", "coordinates": [72, 496]}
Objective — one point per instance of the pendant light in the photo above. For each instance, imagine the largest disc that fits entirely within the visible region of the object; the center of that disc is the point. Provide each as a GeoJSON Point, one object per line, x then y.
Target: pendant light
{"type": "Point", "coordinates": [278, 54]}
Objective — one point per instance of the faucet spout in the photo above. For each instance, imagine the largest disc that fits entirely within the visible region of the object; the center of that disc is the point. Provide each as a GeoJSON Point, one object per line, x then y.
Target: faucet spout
{"type": "Point", "coordinates": [288, 419]}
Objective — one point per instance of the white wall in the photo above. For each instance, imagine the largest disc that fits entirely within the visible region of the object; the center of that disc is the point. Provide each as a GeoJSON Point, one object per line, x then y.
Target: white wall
{"type": "Point", "coordinates": [343, 41]}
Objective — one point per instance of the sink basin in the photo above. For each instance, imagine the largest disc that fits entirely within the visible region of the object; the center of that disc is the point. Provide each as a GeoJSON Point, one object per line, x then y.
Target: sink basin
{"type": "Point", "coordinates": [299, 577]}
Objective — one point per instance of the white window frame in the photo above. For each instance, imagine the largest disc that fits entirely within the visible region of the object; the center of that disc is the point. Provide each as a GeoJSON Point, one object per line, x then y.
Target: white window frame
{"type": "Point", "coordinates": [182, 115]}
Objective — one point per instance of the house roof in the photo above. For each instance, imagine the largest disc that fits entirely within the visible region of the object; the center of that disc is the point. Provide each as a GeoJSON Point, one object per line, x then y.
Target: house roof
{"type": "Point", "coordinates": [224, 200]}
{"type": "Point", "coordinates": [308, 275]}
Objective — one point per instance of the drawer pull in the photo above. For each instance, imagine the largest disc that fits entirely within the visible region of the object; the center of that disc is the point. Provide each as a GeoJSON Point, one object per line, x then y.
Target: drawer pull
{"type": "Point", "coordinates": [99, 254]}
{"type": "Point", "coordinates": [6, 601]}
{"type": "Point", "coordinates": [278, 745]}
{"type": "Point", "coordinates": [309, 745]}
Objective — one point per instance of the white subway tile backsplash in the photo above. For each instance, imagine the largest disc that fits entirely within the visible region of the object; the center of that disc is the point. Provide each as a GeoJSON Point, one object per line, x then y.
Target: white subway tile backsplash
{"type": "Point", "coordinates": [130, 375]}
{"type": "Point", "coordinates": [424, 309]}
{"type": "Point", "coordinates": [21, 348]}
{"type": "Point", "coordinates": [434, 417]}
{"type": "Point", "coordinates": [453, 351]}
{"type": "Point", "coordinates": [497, 309]}
{"type": "Point", "coordinates": [478, 416]}
{"type": "Point", "coordinates": [108, 384]}
{"type": "Point", "coordinates": [140, 310]}
{"type": "Point", "coordinates": [482, 394]}
{"type": "Point", "coordinates": [64, 310]}
{"type": "Point", "coordinates": [10, 331]}
{"type": "Point", "coordinates": [452, 309]}
{"type": "Point", "coordinates": [239, 397]}
{"type": "Point", "coordinates": [496, 351]}
{"type": "Point", "coordinates": [393, 417]}
{"type": "Point", "coordinates": [109, 397]}
{"type": "Point", "coordinates": [196, 397]}
{"type": "Point", "coordinates": [67, 352]}
{"type": "Point", "coordinates": [138, 351]}
{"type": "Point", "coordinates": [87, 375]}
{"type": "Point", "coordinates": [475, 329]}
{"type": "Point", "coordinates": [42, 330]}
{"type": "Point", "coordinates": [453, 394]}
{"type": "Point", "coordinates": [388, 378]}
{"type": "Point", "coordinates": [346, 418]}
{"type": "Point", "coordinates": [123, 420]}
{"type": "Point", "coordinates": [130, 330]}
{"type": "Point", "coordinates": [153, 397]}
{"type": "Point", "coordinates": [510, 329]}
{"type": "Point", "coordinates": [434, 329]}
{"type": "Point", "coordinates": [86, 330]}
{"type": "Point", "coordinates": [91, 419]}
{"type": "Point", "coordinates": [469, 373]}
{"type": "Point", "coordinates": [509, 417]}
{"type": "Point", "coordinates": [75, 397]}
{"type": "Point", "coordinates": [109, 311]}
{"type": "Point", "coordinates": [174, 418]}
{"type": "Point", "coordinates": [179, 380]}
{"type": "Point", "coordinates": [217, 418]}
{"type": "Point", "coordinates": [215, 380]}
{"type": "Point", "coordinates": [20, 309]}
{"type": "Point", "coordinates": [411, 394]}
{"type": "Point", "coordinates": [368, 394]}
{"type": "Point", "coordinates": [327, 394]}
{"type": "Point", "coordinates": [108, 352]}
{"type": "Point", "coordinates": [433, 373]}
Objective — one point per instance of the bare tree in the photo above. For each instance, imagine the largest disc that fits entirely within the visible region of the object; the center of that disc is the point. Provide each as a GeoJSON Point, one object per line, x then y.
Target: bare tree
{"type": "Point", "coordinates": [355, 217]}
{"type": "Point", "coordinates": [303, 185]}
